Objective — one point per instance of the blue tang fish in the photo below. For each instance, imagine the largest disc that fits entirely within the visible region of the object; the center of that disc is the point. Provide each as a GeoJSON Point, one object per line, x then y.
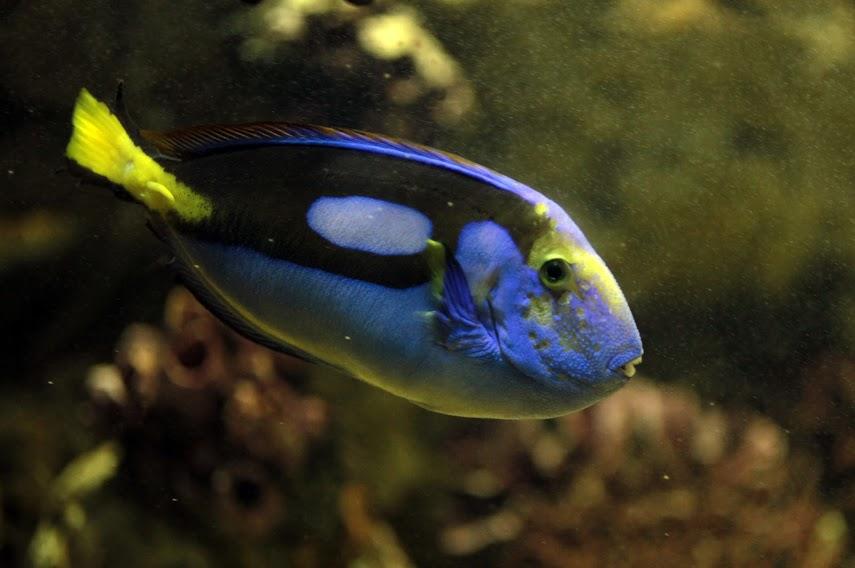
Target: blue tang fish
{"type": "Point", "coordinates": [427, 275]}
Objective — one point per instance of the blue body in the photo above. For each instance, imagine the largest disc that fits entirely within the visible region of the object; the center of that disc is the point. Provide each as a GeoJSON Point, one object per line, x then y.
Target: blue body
{"type": "Point", "coordinates": [416, 271]}
{"type": "Point", "coordinates": [384, 337]}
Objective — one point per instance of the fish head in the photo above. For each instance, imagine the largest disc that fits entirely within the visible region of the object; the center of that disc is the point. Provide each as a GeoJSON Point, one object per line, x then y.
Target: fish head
{"type": "Point", "coordinates": [561, 316]}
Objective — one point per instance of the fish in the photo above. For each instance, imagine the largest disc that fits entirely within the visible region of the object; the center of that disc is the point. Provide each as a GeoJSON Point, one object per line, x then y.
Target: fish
{"type": "Point", "coordinates": [415, 270]}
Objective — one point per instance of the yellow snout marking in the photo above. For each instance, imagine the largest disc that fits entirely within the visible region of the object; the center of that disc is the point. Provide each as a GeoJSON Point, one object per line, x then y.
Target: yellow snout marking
{"type": "Point", "coordinates": [629, 369]}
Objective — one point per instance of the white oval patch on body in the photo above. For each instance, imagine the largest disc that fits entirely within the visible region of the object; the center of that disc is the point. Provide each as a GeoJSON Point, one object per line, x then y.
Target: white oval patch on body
{"type": "Point", "coordinates": [370, 225]}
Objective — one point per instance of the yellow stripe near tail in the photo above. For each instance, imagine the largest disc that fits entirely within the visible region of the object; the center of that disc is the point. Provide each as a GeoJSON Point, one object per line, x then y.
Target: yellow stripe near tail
{"type": "Point", "coordinates": [101, 144]}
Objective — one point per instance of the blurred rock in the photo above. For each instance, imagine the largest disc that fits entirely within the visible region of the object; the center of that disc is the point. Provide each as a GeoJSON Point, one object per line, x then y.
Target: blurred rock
{"type": "Point", "coordinates": [648, 476]}
{"type": "Point", "coordinates": [214, 428]}
{"type": "Point", "coordinates": [208, 418]}
{"type": "Point", "coordinates": [373, 542]}
{"type": "Point", "coordinates": [392, 33]}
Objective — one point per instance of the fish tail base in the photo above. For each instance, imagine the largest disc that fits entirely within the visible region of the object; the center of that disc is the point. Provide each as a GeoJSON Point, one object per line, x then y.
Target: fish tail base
{"type": "Point", "coordinates": [99, 143]}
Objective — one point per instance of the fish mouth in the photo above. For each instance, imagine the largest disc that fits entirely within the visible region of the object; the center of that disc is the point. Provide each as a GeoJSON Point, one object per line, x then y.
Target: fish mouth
{"type": "Point", "coordinates": [625, 363]}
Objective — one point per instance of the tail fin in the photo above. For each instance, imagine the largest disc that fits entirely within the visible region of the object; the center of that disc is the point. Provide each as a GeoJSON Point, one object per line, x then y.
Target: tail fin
{"type": "Point", "coordinates": [99, 143]}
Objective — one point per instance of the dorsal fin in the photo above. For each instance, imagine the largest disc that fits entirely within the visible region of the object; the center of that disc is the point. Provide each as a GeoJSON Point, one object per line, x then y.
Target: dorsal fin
{"type": "Point", "coordinates": [199, 141]}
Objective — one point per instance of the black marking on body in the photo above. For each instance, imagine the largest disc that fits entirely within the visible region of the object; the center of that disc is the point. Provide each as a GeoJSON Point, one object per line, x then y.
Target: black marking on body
{"type": "Point", "coordinates": [261, 197]}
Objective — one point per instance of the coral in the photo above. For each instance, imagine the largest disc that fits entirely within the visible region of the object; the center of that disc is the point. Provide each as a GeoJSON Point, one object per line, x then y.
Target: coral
{"type": "Point", "coordinates": [213, 428]}
{"type": "Point", "coordinates": [647, 477]}
{"type": "Point", "coordinates": [217, 403]}
{"type": "Point", "coordinates": [202, 430]}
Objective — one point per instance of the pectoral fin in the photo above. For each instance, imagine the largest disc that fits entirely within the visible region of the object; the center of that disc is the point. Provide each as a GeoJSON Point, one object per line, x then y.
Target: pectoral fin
{"type": "Point", "coordinates": [458, 324]}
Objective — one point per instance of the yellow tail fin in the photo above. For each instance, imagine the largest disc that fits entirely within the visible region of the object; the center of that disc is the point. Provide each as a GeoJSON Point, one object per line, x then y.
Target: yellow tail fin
{"type": "Point", "coordinates": [100, 144]}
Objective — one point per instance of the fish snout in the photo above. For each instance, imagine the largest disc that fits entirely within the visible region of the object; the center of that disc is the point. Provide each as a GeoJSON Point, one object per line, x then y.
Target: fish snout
{"type": "Point", "coordinates": [625, 363]}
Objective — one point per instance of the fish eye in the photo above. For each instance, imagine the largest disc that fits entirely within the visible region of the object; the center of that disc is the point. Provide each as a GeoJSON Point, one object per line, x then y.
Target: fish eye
{"type": "Point", "coordinates": [554, 273]}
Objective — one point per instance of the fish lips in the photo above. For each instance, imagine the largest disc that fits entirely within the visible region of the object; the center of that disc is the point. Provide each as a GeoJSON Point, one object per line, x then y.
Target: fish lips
{"type": "Point", "coordinates": [624, 363]}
